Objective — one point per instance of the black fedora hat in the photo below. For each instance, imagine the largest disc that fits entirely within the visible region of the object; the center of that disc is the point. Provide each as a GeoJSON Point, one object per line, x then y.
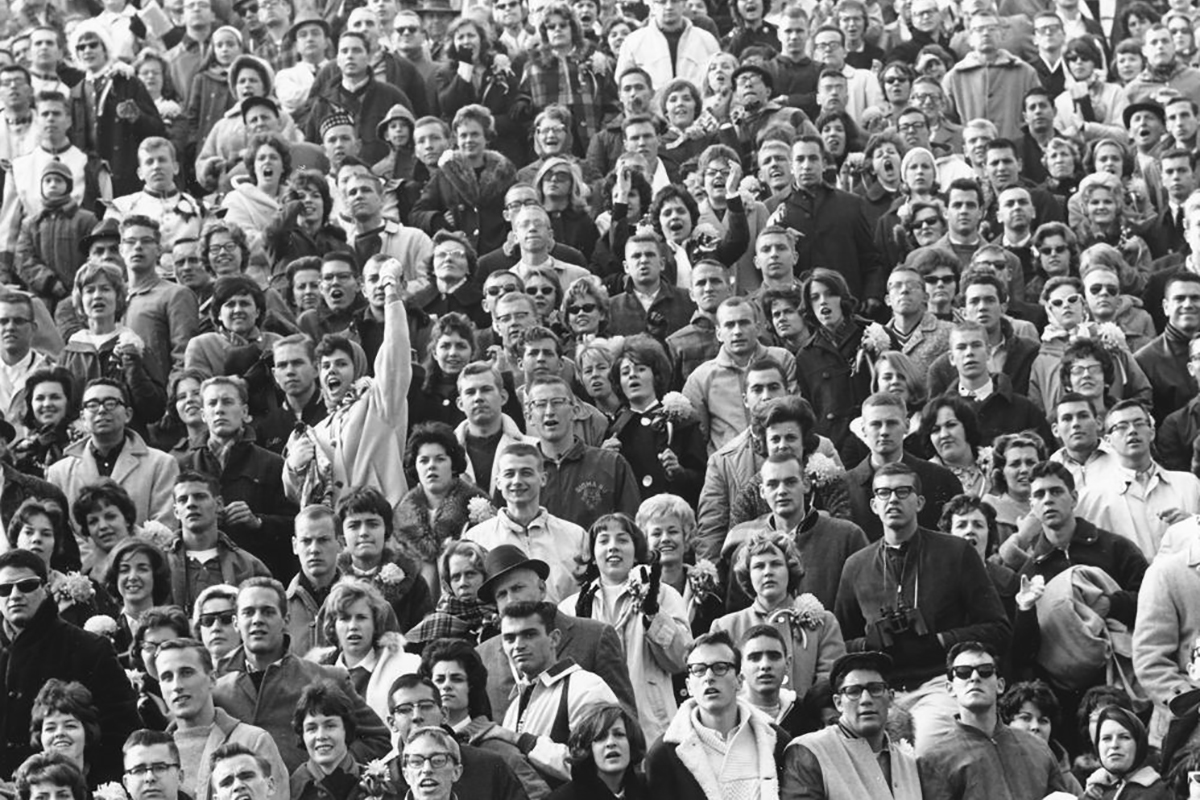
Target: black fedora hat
{"type": "Point", "coordinates": [106, 228]}
{"type": "Point", "coordinates": [503, 560]}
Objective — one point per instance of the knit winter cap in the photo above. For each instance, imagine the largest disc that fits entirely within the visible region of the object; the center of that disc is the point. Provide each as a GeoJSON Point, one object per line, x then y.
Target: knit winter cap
{"type": "Point", "coordinates": [334, 120]}
{"type": "Point", "coordinates": [60, 169]}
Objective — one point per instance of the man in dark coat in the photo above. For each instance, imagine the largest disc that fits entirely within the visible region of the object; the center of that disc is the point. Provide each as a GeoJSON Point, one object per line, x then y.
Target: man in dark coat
{"type": "Point", "coordinates": [112, 112]}
{"type": "Point", "coordinates": [833, 227]}
{"type": "Point", "coordinates": [1165, 358]}
{"type": "Point", "coordinates": [36, 645]}
{"type": "Point", "coordinates": [257, 514]}
{"type": "Point", "coordinates": [885, 425]}
{"type": "Point", "coordinates": [514, 577]}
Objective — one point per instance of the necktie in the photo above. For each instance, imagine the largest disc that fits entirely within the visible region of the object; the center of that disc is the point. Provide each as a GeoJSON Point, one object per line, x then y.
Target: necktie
{"type": "Point", "coordinates": [523, 703]}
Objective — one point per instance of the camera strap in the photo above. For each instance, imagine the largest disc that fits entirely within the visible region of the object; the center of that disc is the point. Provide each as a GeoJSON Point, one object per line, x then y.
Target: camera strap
{"type": "Point", "coordinates": [887, 573]}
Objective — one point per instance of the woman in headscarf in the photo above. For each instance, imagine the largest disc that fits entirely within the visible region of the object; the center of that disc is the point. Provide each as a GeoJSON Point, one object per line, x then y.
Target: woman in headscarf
{"type": "Point", "coordinates": [1124, 749]}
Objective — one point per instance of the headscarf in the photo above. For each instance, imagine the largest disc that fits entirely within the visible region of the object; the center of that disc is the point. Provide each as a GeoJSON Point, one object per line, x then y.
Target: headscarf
{"type": "Point", "coordinates": [1131, 723]}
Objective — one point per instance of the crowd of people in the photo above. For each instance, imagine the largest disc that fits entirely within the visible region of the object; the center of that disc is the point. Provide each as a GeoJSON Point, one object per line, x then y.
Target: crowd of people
{"type": "Point", "coordinates": [593, 399]}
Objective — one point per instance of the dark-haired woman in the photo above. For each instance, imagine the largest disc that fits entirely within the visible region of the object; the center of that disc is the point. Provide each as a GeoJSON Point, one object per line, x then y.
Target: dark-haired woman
{"type": "Point", "coordinates": [238, 309]}
{"type": "Point", "coordinates": [606, 748]}
{"type": "Point", "coordinates": [65, 721]}
{"type": "Point", "coordinates": [619, 588]}
{"type": "Point", "coordinates": [437, 508]}
{"type": "Point", "coordinates": [105, 516]}
{"type": "Point", "coordinates": [663, 445]}
{"type": "Point", "coordinates": [50, 416]}
{"type": "Point", "coordinates": [829, 370]}
{"type": "Point", "coordinates": [1126, 770]}
{"type": "Point", "coordinates": [302, 226]}
{"type": "Point", "coordinates": [138, 574]}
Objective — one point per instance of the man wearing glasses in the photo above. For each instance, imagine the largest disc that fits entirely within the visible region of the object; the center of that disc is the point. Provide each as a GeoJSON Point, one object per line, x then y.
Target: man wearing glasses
{"type": "Point", "coordinates": [857, 750]}
{"type": "Point", "coordinates": [152, 767]}
{"type": "Point", "coordinates": [112, 450]}
{"type": "Point", "coordinates": [519, 197]}
{"type": "Point", "coordinates": [715, 725]}
{"type": "Point", "coordinates": [1139, 499]}
{"type": "Point", "coordinates": [186, 675]}
{"type": "Point", "coordinates": [38, 645]}
{"type": "Point", "coordinates": [914, 594]}
{"type": "Point", "coordinates": [981, 758]}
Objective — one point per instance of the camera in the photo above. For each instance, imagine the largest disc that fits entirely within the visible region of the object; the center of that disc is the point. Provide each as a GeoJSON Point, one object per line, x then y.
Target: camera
{"type": "Point", "coordinates": [894, 623]}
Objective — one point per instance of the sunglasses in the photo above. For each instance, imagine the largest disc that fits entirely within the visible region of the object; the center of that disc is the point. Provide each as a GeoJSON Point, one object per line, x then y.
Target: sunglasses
{"type": "Point", "coordinates": [210, 619]}
{"type": "Point", "coordinates": [90, 44]}
{"type": "Point", "coordinates": [548, 291]}
{"type": "Point", "coordinates": [928, 222]}
{"type": "Point", "coordinates": [493, 291]}
{"type": "Point", "coordinates": [585, 308]}
{"type": "Point", "coordinates": [405, 30]}
{"type": "Point", "coordinates": [27, 586]}
{"type": "Point", "coordinates": [1104, 288]}
{"type": "Point", "coordinates": [1057, 250]}
{"type": "Point", "coordinates": [965, 672]}
{"type": "Point", "coordinates": [1069, 300]}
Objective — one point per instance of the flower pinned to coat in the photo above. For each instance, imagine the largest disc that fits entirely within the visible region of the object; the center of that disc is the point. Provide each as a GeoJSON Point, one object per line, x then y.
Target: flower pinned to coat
{"type": "Point", "coordinates": [136, 679]}
{"type": "Point", "coordinates": [502, 64]}
{"type": "Point", "coordinates": [101, 625]}
{"type": "Point", "coordinates": [807, 613]}
{"type": "Point", "coordinates": [110, 791]}
{"type": "Point", "coordinates": [1108, 335]}
{"type": "Point", "coordinates": [156, 534]}
{"type": "Point", "coordinates": [702, 577]}
{"type": "Point", "coordinates": [823, 471]}
{"type": "Point", "coordinates": [875, 342]}
{"type": "Point", "coordinates": [74, 588]}
{"type": "Point", "coordinates": [480, 509]}
{"type": "Point", "coordinates": [677, 407]}
{"type": "Point", "coordinates": [984, 459]}
{"type": "Point", "coordinates": [391, 574]}
{"type": "Point", "coordinates": [129, 339]}
{"type": "Point", "coordinates": [376, 781]}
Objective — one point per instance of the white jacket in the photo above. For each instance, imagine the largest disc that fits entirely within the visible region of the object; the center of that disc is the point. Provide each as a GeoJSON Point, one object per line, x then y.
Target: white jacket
{"type": "Point", "coordinates": [647, 48]}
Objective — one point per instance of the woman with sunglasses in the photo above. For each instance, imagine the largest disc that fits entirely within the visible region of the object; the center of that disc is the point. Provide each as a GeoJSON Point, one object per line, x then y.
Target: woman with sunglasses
{"type": "Point", "coordinates": [543, 286]}
{"type": "Point", "coordinates": [585, 311]}
{"type": "Point", "coordinates": [1062, 297]}
{"type": "Point", "coordinates": [896, 82]}
{"type": "Point", "coordinates": [139, 576]}
{"type": "Point", "coordinates": [214, 621]}
{"type": "Point", "coordinates": [1055, 252]}
{"type": "Point", "coordinates": [1092, 106]}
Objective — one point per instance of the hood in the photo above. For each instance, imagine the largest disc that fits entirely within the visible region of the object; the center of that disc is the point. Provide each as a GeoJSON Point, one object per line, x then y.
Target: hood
{"type": "Point", "coordinates": [253, 62]}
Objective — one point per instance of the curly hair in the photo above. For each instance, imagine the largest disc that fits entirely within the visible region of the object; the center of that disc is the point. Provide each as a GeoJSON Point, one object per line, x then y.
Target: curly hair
{"type": "Point", "coordinates": [433, 433]}
{"type": "Point", "coordinates": [105, 492]}
{"type": "Point", "coordinates": [230, 286]}
{"type": "Point", "coordinates": [478, 114]}
{"type": "Point", "coordinates": [65, 697]}
{"type": "Point", "coordinates": [311, 179]}
{"type": "Point", "coordinates": [639, 183]}
{"type": "Point", "coordinates": [567, 13]}
{"type": "Point", "coordinates": [562, 115]}
{"type": "Point", "coordinates": [963, 412]}
{"type": "Point", "coordinates": [484, 55]}
{"type": "Point", "coordinates": [324, 698]}
{"type": "Point", "coordinates": [588, 287]}
{"type": "Point", "coordinates": [665, 195]}
{"type": "Point", "coordinates": [55, 769]}
{"type": "Point", "coordinates": [214, 226]}
{"type": "Point", "coordinates": [65, 555]}
{"type": "Point", "coordinates": [963, 504]}
{"type": "Point", "coordinates": [1086, 348]}
{"type": "Point", "coordinates": [474, 551]}
{"type": "Point", "coordinates": [149, 54]}
{"type": "Point", "coordinates": [1006, 442]}
{"type": "Point", "coordinates": [277, 143]}
{"type": "Point", "coordinates": [1038, 693]}
{"type": "Point", "coordinates": [767, 541]}
{"type": "Point", "coordinates": [663, 506]}
{"type": "Point", "coordinates": [462, 653]}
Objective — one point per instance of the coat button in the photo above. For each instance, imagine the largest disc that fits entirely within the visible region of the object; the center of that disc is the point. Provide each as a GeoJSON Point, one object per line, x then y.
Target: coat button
{"type": "Point", "coordinates": [829, 416]}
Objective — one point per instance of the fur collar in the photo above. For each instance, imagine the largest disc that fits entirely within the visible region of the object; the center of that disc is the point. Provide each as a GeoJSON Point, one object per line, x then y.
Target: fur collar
{"type": "Point", "coordinates": [498, 174]}
{"type": "Point", "coordinates": [691, 752]}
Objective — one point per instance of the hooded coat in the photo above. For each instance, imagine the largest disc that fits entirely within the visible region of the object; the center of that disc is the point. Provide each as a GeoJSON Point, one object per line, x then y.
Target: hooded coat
{"type": "Point", "coordinates": [476, 200]}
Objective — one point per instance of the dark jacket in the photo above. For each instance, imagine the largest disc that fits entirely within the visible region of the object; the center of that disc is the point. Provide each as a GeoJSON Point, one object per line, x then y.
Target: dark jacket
{"type": "Point", "coordinates": [19, 487]}
{"type": "Point", "coordinates": [1090, 546]}
{"type": "Point", "coordinates": [476, 200]}
{"type": "Point", "coordinates": [670, 311]}
{"type": "Point", "coordinates": [797, 81]}
{"type": "Point", "coordinates": [1175, 437]}
{"type": "Point", "coordinates": [1017, 364]}
{"type": "Point", "coordinates": [589, 787]}
{"type": "Point", "coordinates": [589, 482]}
{"type": "Point", "coordinates": [1005, 411]}
{"type": "Point", "coordinates": [938, 485]}
{"type": "Point", "coordinates": [592, 645]}
{"type": "Point", "coordinates": [1165, 362]}
{"type": "Point", "coordinates": [835, 234]}
{"type": "Point", "coordinates": [51, 648]}
{"type": "Point", "coordinates": [944, 579]}
{"type": "Point", "coordinates": [484, 775]}
{"type": "Point", "coordinates": [254, 475]}
{"type": "Point", "coordinates": [234, 564]}
{"type": "Point", "coordinates": [98, 130]}
{"type": "Point", "coordinates": [827, 377]}
{"type": "Point", "coordinates": [368, 106]}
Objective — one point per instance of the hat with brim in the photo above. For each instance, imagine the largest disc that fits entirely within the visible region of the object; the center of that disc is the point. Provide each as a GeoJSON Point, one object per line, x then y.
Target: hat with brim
{"type": "Point", "coordinates": [105, 229]}
{"type": "Point", "coordinates": [753, 69]}
{"type": "Point", "coordinates": [396, 112]}
{"type": "Point", "coordinates": [505, 559]}
{"type": "Point", "coordinates": [870, 659]}
{"type": "Point", "coordinates": [290, 36]}
{"type": "Point", "coordinates": [1145, 105]}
